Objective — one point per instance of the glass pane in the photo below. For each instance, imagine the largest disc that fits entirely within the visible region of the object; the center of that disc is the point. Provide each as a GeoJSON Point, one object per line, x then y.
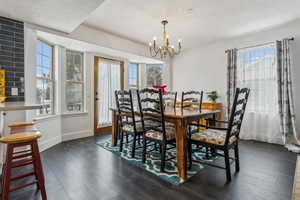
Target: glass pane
{"type": "Point", "coordinates": [74, 66]}
{"type": "Point", "coordinates": [44, 96]}
{"type": "Point", "coordinates": [46, 72]}
{"type": "Point", "coordinates": [109, 81]}
{"type": "Point", "coordinates": [44, 60]}
{"type": "Point", "coordinates": [39, 47]}
{"type": "Point", "coordinates": [74, 97]}
{"type": "Point", "coordinates": [48, 101]}
{"type": "Point", "coordinates": [38, 60]}
{"type": "Point", "coordinates": [47, 50]}
{"type": "Point", "coordinates": [39, 71]}
{"type": "Point", "coordinates": [39, 91]}
{"type": "Point", "coordinates": [133, 70]}
{"type": "Point", "coordinates": [257, 71]}
{"type": "Point", "coordinates": [154, 75]}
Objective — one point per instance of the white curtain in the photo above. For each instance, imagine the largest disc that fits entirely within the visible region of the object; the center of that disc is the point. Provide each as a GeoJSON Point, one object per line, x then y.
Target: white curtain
{"type": "Point", "coordinates": [109, 81]}
{"type": "Point", "coordinates": [256, 69]}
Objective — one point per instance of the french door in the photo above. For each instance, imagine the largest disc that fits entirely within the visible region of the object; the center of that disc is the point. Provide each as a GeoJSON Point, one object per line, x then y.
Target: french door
{"type": "Point", "coordinates": [109, 76]}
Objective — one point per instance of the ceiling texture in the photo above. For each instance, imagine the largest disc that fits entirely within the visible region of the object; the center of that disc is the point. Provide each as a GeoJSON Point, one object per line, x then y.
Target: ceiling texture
{"type": "Point", "coordinates": [61, 15]}
{"type": "Point", "coordinates": [196, 22]}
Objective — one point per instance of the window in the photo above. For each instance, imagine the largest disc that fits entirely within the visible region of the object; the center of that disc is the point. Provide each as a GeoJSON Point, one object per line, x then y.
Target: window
{"type": "Point", "coordinates": [154, 75]}
{"type": "Point", "coordinates": [74, 82]}
{"type": "Point", "coordinates": [109, 80]}
{"type": "Point", "coordinates": [256, 69]}
{"type": "Point", "coordinates": [44, 77]}
{"type": "Point", "coordinates": [133, 75]}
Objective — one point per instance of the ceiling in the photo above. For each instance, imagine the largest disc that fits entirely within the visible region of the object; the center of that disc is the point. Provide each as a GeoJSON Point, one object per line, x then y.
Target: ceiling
{"type": "Point", "coordinates": [194, 21]}
{"type": "Point", "coordinates": [62, 15]}
{"type": "Point", "coordinates": [87, 47]}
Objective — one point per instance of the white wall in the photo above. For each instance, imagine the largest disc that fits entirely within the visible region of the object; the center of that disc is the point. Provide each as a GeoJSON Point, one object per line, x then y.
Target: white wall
{"type": "Point", "coordinates": [101, 38]}
{"type": "Point", "coordinates": [205, 67]}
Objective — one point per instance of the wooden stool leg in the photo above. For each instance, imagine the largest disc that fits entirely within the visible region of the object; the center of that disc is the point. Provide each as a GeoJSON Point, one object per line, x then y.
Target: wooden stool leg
{"type": "Point", "coordinates": [39, 169]}
{"type": "Point", "coordinates": [7, 172]}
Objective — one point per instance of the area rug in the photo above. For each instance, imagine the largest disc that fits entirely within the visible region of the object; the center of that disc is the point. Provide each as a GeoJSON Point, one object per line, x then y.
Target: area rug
{"type": "Point", "coordinates": [152, 164]}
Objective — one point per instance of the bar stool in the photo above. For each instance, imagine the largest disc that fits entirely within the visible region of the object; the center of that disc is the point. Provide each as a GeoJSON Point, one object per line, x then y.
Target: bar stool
{"type": "Point", "coordinates": [17, 127]}
{"type": "Point", "coordinates": [20, 159]}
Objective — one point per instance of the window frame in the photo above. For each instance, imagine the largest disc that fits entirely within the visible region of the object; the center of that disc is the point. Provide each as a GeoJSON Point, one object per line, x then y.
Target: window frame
{"type": "Point", "coordinates": [137, 76]}
{"type": "Point", "coordinates": [83, 84]}
{"type": "Point", "coordinates": [52, 79]}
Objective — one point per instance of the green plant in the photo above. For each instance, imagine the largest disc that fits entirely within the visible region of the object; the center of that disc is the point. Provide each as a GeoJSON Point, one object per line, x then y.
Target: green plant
{"type": "Point", "coordinates": [213, 95]}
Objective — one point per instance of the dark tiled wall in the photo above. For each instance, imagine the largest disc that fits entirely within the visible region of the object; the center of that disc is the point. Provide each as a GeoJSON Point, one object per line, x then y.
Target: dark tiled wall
{"type": "Point", "coordinates": [12, 56]}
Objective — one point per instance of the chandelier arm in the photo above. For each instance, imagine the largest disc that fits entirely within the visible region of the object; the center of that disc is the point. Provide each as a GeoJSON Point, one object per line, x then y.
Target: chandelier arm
{"type": "Point", "coordinates": [153, 51]}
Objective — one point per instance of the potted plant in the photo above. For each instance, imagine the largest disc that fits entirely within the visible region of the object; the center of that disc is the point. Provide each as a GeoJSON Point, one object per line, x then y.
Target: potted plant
{"type": "Point", "coordinates": [213, 96]}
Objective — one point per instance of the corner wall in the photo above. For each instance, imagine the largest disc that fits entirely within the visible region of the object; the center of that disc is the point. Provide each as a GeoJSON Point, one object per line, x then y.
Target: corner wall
{"type": "Point", "coordinates": [205, 67]}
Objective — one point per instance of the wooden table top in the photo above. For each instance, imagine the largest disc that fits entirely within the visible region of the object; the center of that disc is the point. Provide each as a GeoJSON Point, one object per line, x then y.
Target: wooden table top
{"type": "Point", "coordinates": [179, 113]}
{"type": "Point", "coordinates": [184, 113]}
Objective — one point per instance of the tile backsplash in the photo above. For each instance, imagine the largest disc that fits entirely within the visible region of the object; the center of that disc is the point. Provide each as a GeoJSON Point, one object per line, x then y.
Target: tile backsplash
{"type": "Point", "coordinates": [12, 56]}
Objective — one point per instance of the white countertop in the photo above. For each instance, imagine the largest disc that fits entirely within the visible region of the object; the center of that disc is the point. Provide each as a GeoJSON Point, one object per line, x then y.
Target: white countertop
{"type": "Point", "coordinates": [10, 106]}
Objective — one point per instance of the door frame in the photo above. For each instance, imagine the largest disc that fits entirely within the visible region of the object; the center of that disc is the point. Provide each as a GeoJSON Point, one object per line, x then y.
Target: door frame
{"type": "Point", "coordinates": [108, 129]}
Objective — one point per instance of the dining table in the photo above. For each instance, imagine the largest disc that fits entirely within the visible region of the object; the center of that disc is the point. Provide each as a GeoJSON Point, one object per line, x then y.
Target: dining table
{"type": "Point", "coordinates": [180, 118]}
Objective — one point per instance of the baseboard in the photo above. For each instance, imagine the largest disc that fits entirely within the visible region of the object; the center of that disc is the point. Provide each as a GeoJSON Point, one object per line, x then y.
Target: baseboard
{"type": "Point", "coordinates": [76, 135]}
{"type": "Point", "coordinates": [44, 145]}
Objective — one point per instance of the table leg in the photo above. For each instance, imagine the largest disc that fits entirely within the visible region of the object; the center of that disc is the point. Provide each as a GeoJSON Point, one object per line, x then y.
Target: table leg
{"type": "Point", "coordinates": [181, 143]}
{"type": "Point", "coordinates": [115, 127]}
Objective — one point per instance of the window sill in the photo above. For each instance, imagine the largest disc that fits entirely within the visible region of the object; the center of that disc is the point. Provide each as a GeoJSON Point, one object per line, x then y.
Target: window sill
{"type": "Point", "coordinates": [74, 114]}
{"type": "Point", "coordinates": [42, 118]}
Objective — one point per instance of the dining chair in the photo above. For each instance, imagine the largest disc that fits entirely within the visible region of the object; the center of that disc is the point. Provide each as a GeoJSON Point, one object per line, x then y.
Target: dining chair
{"type": "Point", "coordinates": [170, 98]}
{"type": "Point", "coordinates": [192, 100]}
{"type": "Point", "coordinates": [128, 125]}
{"type": "Point", "coordinates": [223, 139]}
{"type": "Point", "coordinates": [156, 130]}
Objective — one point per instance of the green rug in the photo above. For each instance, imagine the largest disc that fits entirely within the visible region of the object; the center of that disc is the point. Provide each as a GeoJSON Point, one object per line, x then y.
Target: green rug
{"type": "Point", "coordinates": [153, 161]}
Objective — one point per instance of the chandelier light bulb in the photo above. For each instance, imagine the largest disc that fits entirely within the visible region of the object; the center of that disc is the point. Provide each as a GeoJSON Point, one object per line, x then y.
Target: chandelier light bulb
{"type": "Point", "coordinates": [154, 38]}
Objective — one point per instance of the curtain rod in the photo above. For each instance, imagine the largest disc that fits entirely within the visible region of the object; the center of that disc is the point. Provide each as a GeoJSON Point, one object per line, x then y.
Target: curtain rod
{"type": "Point", "coordinates": [292, 38]}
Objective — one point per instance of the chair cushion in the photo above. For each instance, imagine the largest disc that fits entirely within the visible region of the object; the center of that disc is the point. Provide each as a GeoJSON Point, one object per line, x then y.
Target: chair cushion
{"type": "Point", "coordinates": [170, 134]}
{"type": "Point", "coordinates": [130, 128]}
{"type": "Point", "coordinates": [212, 136]}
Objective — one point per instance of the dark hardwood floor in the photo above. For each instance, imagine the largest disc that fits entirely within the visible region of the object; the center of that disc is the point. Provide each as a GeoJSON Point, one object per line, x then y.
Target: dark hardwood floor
{"type": "Point", "coordinates": [81, 170]}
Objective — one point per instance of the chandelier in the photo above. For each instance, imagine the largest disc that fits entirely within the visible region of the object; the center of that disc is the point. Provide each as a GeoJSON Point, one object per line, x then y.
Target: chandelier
{"type": "Point", "coordinates": [165, 49]}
